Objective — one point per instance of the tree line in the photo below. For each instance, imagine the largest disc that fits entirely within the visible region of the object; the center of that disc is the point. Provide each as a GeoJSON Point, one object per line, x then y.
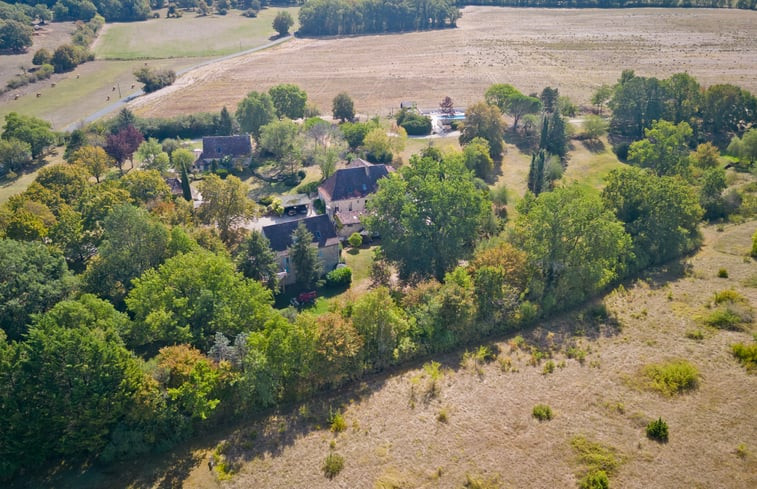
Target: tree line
{"type": "Point", "coordinates": [342, 17]}
{"type": "Point", "coordinates": [129, 319]}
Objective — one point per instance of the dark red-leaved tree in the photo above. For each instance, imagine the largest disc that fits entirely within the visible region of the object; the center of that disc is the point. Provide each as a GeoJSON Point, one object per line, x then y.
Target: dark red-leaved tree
{"type": "Point", "coordinates": [122, 145]}
{"type": "Point", "coordinates": [447, 106]}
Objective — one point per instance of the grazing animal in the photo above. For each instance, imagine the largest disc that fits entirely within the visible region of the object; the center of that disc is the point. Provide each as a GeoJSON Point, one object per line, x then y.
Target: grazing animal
{"type": "Point", "coordinates": [52, 85]}
{"type": "Point", "coordinates": [39, 95]}
{"type": "Point", "coordinates": [113, 89]}
{"type": "Point", "coordinates": [15, 97]}
{"type": "Point", "coordinates": [107, 99]}
{"type": "Point", "coordinates": [132, 85]}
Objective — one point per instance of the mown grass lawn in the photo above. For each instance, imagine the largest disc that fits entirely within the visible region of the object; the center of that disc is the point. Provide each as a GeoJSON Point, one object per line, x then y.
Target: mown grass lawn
{"type": "Point", "coordinates": [188, 36]}
{"type": "Point", "coordinates": [359, 260]}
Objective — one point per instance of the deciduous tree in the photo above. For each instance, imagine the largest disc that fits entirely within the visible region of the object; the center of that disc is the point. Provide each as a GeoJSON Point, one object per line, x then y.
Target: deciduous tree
{"type": "Point", "coordinates": [485, 121]}
{"type": "Point", "coordinates": [283, 22]}
{"type": "Point", "coordinates": [574, 245]}
{"type": "Point", "coordinates": [122, 145]}
{"type": "Point", "coordinates": [255, 111]}
{"type": "Point", "coordinates": [660, 213]}
{"type": "Point", "coordinates": [32, 281]}
{"type": "Point", "coordinates": [289, 100]}
{"type": "Point", "coordinates": [191, 297]}
{"type": "Point", "coordinates": [94, 159]}
{"type": "Point", "coordinates": [36, 132]}
{"type": "Point", "coordinates": [664, 149]}
{"type": "Point", "coordinates": [343, 108]}
{"type": "Point", "coordinates": [428, 214]}
{"type": "Point", "coordinates": [225, 204]}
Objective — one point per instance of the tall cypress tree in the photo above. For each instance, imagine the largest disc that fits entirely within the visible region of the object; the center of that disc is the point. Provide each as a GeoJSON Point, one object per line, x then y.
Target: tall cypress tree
{"type": "Point", "coordinates": [225, 124]}
{"type": "Point", "coordinates": [557, 140]}
{"type": "Point", "coordinates": [544, 133]}
{"type": "Point", "coordinates": [185, 189]}
{"type": "Point", "coordinates": [536, 172]}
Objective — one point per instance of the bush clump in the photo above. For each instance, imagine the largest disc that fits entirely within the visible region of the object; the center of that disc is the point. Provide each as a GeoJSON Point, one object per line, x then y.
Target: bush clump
{"type": "Point", "coordinates": [475, 482]}
{"type": "Point", "coordinates": [155, 79]}
{"type": "Point", "coordinates": [595, 480]}
{"type": "Point", "coordinates": [746, 354]}
{"type": "Point", "coordinates": [355, 240]}
{"type": "Point", "coordinates": [337, 422]}
{"type": "Point", "coordinates": [673, 377]}
{"type": "Point", "coordinates": [333, 464]}
{"type": "Point", "coordinates": [658, 430]}
{"type": "Point", "coordinates": [599, 462]}
{"type": "Point", "coordinates": [542, 412]}
{"type": "Point", "coordinates": [341, 277]}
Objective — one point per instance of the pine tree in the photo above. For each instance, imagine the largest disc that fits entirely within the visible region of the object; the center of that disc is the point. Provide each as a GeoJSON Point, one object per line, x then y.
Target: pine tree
{"type": "Point", "coordinates": [185, 189]}
{"type": "Point", "coordinates": [307, 265]}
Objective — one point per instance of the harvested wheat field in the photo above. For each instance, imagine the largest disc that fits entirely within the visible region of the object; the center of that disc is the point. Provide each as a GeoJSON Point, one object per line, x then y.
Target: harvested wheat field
{"type": "Point", "coordinates": [575, 50]}
{"type": "Point", "coordinates": [417, 428]}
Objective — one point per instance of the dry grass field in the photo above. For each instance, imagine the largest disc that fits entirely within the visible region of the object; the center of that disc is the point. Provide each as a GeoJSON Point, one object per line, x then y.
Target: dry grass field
{"type": "Point", "coordinates": [575, 50]}
{"type": "Point", "coordinates": [402, 434]}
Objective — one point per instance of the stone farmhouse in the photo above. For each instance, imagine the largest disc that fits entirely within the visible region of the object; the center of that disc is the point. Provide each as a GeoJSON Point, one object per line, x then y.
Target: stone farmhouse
{"type": "Point", "coordinates": [324, 237]}
{"type": "Point", "coordinates": [346, 192]}
{"type": "Point", "coordinates": [226, 151]}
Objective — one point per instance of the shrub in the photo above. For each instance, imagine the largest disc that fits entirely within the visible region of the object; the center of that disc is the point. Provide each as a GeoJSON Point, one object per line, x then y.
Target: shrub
{"type": "Point", "coordinates": [542, 412]}
{"type": "Point", "coordinates": [723, 318]}
{"type": "Point", "coordinates": [340, 277]}
{"type": "Point", "coordinates": [337, 422]}
{"type": "Point", "coordinates": [746, 354]}
{"type": "Point", "coordinates": [595, 456]}
{"type": "Point", "coordinates": [308, 188]}
{"type": "Point", "coordinates": [673, 377]}
{"type": "Point", "coordinates": [155, 79]}
{"type": "Point", "coordinates": [595, 480]}
{"type": "Point", "coordinates": [754, 245]}
{"type": "Point", "coordinates": [333, 464]}
{"type": "Point", "coordinates": [722, 273]}
{"type": "Point", "coordinates": [658, 430]}
{"type": "Point", "coordinates": [355, 240]}
{"type": "Point", "coordinates": [41, 57]}
{"type": "Point", "coordinates": [443, 415]}
{"type": "Point", "coordinates": [473, 482]}
{"type": "Point", "coordinates": [696, 334]}
{"type": "Point", "coordinates": [549, 367]}
{"type": "Point", "coordinates": [728, 295]}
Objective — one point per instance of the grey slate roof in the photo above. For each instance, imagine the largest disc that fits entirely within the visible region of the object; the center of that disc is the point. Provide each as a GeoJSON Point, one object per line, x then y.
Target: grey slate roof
{"type": "Point", "coordinates": [357, 180]}
{"type": "Point", "coordinates": [280, 235]}
{"type": "Point", "coordinates": [216, 147]}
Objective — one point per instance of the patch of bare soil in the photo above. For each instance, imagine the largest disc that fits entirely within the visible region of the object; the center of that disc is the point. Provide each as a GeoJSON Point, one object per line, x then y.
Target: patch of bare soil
{"type": "Point", "coordinates": [575, 50]}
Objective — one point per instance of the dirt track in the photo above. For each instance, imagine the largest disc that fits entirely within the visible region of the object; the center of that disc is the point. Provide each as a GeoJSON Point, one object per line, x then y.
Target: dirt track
{"type": "Point", "coordinates": [575, 50]}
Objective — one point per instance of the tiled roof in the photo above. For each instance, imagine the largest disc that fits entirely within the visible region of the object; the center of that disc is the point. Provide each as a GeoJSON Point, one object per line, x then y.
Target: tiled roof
{"type": "Point", "coordinates": [280, 235]}
{"type": "Point", "coordinates": [348, 218]}
{"type": "Point", "coordinates": [216, 147]}
{"type": "Point", "coordinates": [357, 180]}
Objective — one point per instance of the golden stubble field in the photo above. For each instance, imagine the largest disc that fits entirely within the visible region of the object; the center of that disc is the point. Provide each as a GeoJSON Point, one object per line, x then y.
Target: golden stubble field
{"type": "Point", "coordinates": [575, 50]}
